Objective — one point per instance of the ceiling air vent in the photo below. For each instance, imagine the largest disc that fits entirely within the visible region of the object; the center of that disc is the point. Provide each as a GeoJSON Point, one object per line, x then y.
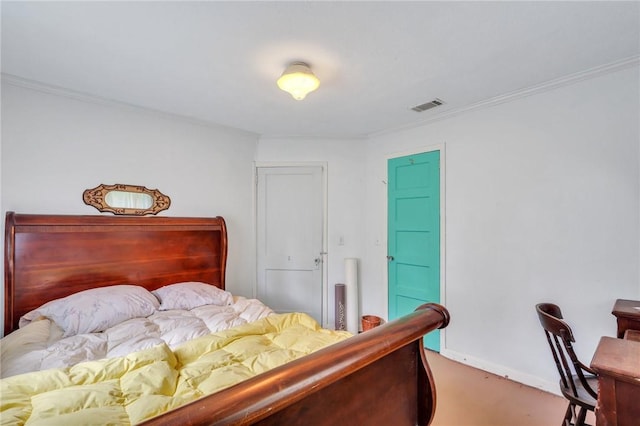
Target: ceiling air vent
{"type": "Point", "coordinates": [434, 103]}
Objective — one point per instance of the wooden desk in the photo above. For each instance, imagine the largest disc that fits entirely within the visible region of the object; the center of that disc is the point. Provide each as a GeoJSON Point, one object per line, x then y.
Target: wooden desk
{"type": "Point", "coordinates": [617, 362]}
{"type": "Point", "coordinates": [632, 335]}
{"type": "Point", "coordinates": [627, 313]}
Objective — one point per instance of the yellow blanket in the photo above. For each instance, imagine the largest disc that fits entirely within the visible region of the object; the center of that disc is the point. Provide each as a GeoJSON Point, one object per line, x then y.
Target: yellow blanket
{"type": "Point", "coordinates": [131, 389]}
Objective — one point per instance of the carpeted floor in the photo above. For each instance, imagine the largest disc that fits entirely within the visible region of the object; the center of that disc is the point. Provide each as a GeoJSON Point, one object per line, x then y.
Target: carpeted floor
{"type": "Point", "coordinates": [470, 397]}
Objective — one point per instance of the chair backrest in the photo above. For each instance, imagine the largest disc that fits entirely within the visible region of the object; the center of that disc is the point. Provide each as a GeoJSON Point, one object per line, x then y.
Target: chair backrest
{"type": "Point", "coordinates": [560, 338]}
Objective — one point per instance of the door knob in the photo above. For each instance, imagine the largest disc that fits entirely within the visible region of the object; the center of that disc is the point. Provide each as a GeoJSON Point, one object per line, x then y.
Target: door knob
{"type": "Point", "coordinates": [390, 258]}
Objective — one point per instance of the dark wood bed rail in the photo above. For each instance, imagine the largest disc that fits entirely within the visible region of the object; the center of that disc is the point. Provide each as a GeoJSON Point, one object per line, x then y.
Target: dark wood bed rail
{"type": "Point", "coordinates": [377, 377]}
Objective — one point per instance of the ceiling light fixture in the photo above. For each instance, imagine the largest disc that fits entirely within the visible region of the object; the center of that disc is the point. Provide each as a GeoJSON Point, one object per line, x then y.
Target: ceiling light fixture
{"type": "Point", "coordinates": [298, 80]}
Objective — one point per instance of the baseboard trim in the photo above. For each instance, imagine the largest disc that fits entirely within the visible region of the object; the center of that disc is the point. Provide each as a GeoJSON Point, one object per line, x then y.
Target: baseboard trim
{"type": "Point", "coordinates": [500, 370]}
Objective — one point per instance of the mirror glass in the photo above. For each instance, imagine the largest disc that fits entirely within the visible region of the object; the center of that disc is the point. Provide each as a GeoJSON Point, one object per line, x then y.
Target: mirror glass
{"type": "Point", "coordinates": [130, 200]}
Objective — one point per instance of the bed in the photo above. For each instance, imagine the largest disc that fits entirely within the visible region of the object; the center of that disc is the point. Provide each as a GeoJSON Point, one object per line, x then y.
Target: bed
{"type": "Point", "coordinates": [377, 377]}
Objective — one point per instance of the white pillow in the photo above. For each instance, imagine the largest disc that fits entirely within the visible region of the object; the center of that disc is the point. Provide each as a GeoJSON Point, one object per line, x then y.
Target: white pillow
{"type": "Point", "coordinates": [189, 295]}
{"type": "Point", "coordinates": [96, 309]}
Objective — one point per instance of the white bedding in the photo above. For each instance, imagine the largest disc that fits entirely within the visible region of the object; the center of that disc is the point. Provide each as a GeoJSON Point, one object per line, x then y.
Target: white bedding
{"type": "Point", "coordinates": [41, 344]}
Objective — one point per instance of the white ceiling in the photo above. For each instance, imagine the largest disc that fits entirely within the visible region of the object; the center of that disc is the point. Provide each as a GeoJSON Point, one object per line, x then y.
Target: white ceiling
{"type": "Point", "coordinates": [218, 61]}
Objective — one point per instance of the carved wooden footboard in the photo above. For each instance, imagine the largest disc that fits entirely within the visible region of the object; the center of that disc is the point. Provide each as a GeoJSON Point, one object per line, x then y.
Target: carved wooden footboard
{"type": "Point", "coordinates": [380, 377]}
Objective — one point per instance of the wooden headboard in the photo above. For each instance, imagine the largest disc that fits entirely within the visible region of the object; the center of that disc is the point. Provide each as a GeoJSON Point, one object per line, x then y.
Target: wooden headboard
{"type": "Point", "coordinates": [52, 256]}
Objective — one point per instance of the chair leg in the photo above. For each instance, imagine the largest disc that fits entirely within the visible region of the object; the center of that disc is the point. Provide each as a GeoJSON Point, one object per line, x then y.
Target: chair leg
{"type": "Point", "coordinates": [582, 414]}
{"type": "Point", "coordinates": [568, 415]}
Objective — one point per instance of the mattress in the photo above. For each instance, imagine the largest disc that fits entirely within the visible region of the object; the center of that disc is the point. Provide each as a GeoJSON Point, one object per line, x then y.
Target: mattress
{"type": "Point", "coordinates": [130, 389]}
{"type": "Point", "coordinates": [94, 327]}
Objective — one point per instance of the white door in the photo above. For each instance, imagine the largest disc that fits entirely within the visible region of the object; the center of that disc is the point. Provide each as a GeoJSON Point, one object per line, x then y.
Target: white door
{"type": "Point", "coordinates": [289, 239]}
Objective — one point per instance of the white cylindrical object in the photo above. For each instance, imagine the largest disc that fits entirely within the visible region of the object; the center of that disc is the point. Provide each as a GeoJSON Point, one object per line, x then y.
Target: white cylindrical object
{"type": "Point", "coordinates": [352, 302]}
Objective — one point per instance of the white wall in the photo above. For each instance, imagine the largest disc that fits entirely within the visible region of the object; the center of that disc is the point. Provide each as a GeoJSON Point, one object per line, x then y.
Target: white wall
{"type": "Point", "coordinates": [542, 201]}
{"type": "Point", "coordinates": [55, 147]}
{"type": "Point", "coordinates": [345, 180]}
{"type": "Point", "coordinates": [542, 204]}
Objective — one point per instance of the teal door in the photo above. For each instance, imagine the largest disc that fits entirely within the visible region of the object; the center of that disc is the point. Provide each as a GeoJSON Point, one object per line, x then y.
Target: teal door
{"type": "Point", "coordinates": [414, 235]}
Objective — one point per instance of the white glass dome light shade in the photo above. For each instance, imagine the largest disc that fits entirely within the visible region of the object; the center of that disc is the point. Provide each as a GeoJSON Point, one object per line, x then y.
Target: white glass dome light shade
{"type": "Point", "coordinates": [298, 80]}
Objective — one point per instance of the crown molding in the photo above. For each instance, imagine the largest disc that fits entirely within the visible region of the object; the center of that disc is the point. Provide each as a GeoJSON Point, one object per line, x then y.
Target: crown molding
{"type": "Point", "coordinates": [38, 86]}
{"type": "Point", "coordinates": [567, 80]}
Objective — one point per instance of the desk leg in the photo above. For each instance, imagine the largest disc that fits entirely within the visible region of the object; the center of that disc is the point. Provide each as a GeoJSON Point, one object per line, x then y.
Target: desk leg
{"type": "Point", "coordinates": [606, 405]}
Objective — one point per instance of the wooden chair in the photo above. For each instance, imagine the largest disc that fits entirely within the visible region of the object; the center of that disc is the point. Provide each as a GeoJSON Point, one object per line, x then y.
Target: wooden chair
{"type": "Point", "coordinates": [578, 383]}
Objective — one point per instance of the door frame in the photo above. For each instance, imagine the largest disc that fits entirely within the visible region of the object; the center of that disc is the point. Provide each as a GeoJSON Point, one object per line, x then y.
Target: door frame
{"type": "Point", "coordinates": [435, 147]}
{"type": "Point", "coordinates": [324, 251]}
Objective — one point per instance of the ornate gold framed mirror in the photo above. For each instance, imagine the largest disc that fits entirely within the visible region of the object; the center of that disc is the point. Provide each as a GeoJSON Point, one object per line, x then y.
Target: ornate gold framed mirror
{"type": "Point", "coordinates": [126, 199]}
